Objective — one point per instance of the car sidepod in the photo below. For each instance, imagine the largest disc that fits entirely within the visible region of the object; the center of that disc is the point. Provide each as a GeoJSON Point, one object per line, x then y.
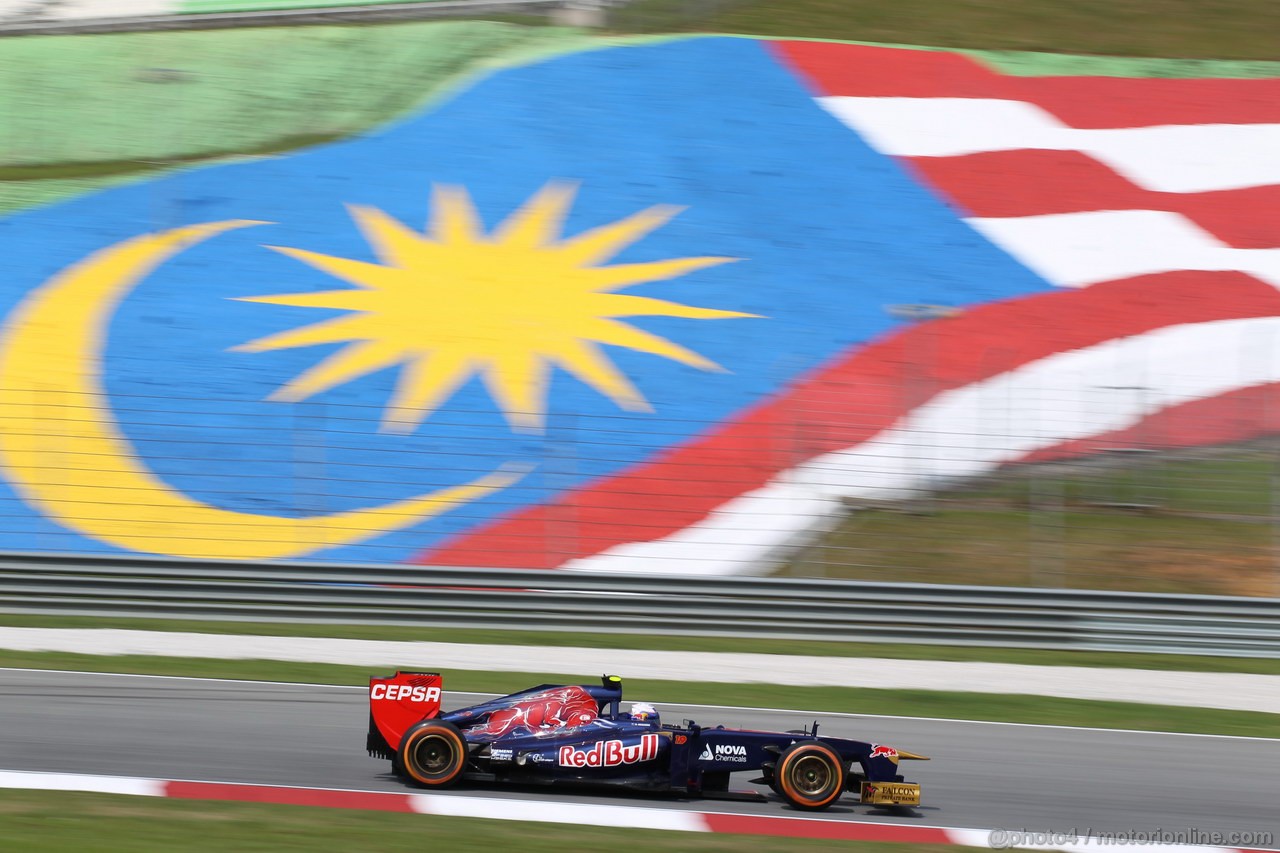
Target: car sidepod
{"type": "Point", "coordinates": [602, 753]}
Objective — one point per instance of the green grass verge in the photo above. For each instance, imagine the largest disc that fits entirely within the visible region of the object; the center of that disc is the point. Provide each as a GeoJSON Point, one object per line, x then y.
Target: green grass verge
{"type": "Point", "coordinates": [58, 821]}
{"type": "Point", "coordinates": [1073, 549]}
{"type": "Point", "coordinates": [1167, 523]}
{"type": "Point", "coordinates": [661, 642]}
{"type": "Point", "coordinates": [1223, 29]}
{"type": "Point", "coordinates": [86, 112]}
{"type": "Point", "coordinates": [1237, 481]}
{"type": "Point", "coordinates": [905, 703]}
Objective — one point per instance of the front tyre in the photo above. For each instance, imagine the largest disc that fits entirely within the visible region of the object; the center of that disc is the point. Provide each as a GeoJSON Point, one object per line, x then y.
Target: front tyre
{"type": "Point", "coordinates": [432, 754]}
{"type": "Point", "coordinates": [810, 775]}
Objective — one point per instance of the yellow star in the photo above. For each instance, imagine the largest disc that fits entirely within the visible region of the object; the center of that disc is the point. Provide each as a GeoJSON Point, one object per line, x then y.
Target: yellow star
{"type": "Point", "coordinates": [455, 302]}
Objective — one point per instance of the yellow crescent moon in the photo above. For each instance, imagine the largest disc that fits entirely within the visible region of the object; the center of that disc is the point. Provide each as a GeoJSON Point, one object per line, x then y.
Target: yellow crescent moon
{"type": "Point", "coordinates": [65, 454]}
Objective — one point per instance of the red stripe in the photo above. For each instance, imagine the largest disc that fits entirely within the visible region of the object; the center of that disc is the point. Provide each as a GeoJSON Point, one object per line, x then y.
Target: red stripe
{"type": "Point", "coordinates": [1100, 102]}
{"type": "Point", "coordinates": [1034, 182]}
{"type": "Point", "coordinates": [829, 829]}
{"type": "Point", "coordinates": [289, 796]}
{"type": "Point", "coordinates": [845, 404]}
{"type": "Point", "coordinates": [1084, 102]}
{"type": "Point", "coordinates": [832, 68]}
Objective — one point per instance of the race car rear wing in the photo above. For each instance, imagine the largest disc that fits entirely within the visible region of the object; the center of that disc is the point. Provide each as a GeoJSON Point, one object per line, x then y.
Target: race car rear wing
{"type": "Point", "coordinates": [397, 702]}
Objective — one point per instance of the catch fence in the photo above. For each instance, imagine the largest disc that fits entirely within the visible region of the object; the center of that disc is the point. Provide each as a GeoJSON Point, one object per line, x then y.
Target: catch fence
{"type": "Point", "coordinates": [965, 506]}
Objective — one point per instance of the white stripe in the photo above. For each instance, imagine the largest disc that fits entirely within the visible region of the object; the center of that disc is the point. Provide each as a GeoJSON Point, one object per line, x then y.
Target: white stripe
{"type": "Point", "coordinates": [77, 782]}
{"type": "Point", "coordinates": [966, 432]}
{"type": "Point", "coordinates": [1189, 158]}
{"type": "Point", "coordinates": [948, 127]}
{"type": "Point", "coordinates": [1074, 249]}
{"type": "Point", "coordinates": [969, 837]}
{"type": "Point", "coordinates": [1171, 158]}
{"type": "Point", "coordinates": [747, 535]}
{"type": "Point", "coordinates": [550, 811]}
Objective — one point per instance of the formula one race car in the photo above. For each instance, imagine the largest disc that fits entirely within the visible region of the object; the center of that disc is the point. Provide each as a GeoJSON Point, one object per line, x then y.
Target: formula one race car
{"type": "Point", "coordinates": [553, 734]}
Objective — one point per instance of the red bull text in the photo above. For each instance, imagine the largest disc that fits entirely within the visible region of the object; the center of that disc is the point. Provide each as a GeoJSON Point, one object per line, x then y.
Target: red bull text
{"type": "Point", "coordinates": [610, 753]}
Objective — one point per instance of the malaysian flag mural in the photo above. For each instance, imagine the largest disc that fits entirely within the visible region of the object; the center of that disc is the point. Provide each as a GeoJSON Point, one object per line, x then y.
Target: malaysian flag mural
{"type": "Point", "coordinates": [659, 307]}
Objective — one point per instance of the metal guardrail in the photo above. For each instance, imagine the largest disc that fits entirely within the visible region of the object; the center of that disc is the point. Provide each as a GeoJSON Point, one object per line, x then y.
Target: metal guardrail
{"type": "Point", "coordinates": [794, 608]}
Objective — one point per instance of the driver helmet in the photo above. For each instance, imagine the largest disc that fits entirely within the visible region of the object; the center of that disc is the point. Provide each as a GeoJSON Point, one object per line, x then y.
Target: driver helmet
{"type": "Point", "coordinates": [643, 712]}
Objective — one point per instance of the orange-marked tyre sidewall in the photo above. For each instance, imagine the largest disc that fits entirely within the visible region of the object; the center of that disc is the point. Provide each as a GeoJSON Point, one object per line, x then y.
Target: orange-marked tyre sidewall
{"type": "Point", "coordinates": [441, 738]}
{"type": "Point", "coordinates": [787, 764]}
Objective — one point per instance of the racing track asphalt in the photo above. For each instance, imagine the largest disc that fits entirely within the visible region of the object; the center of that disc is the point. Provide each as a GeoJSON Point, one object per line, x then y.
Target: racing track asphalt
{"type": "Point", "coordinates": [983, 775]}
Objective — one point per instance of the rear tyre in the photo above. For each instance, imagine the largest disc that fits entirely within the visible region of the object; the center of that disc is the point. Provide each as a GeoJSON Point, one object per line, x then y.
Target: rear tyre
{"type": "Point", "coordinates": [810, 775]}
{"type": "Point", "coordinates": [432, 754]}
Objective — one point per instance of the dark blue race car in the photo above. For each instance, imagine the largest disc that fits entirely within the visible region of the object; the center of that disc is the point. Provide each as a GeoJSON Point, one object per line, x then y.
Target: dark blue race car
{"type": "Point", "coordinates": [578, 734]}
